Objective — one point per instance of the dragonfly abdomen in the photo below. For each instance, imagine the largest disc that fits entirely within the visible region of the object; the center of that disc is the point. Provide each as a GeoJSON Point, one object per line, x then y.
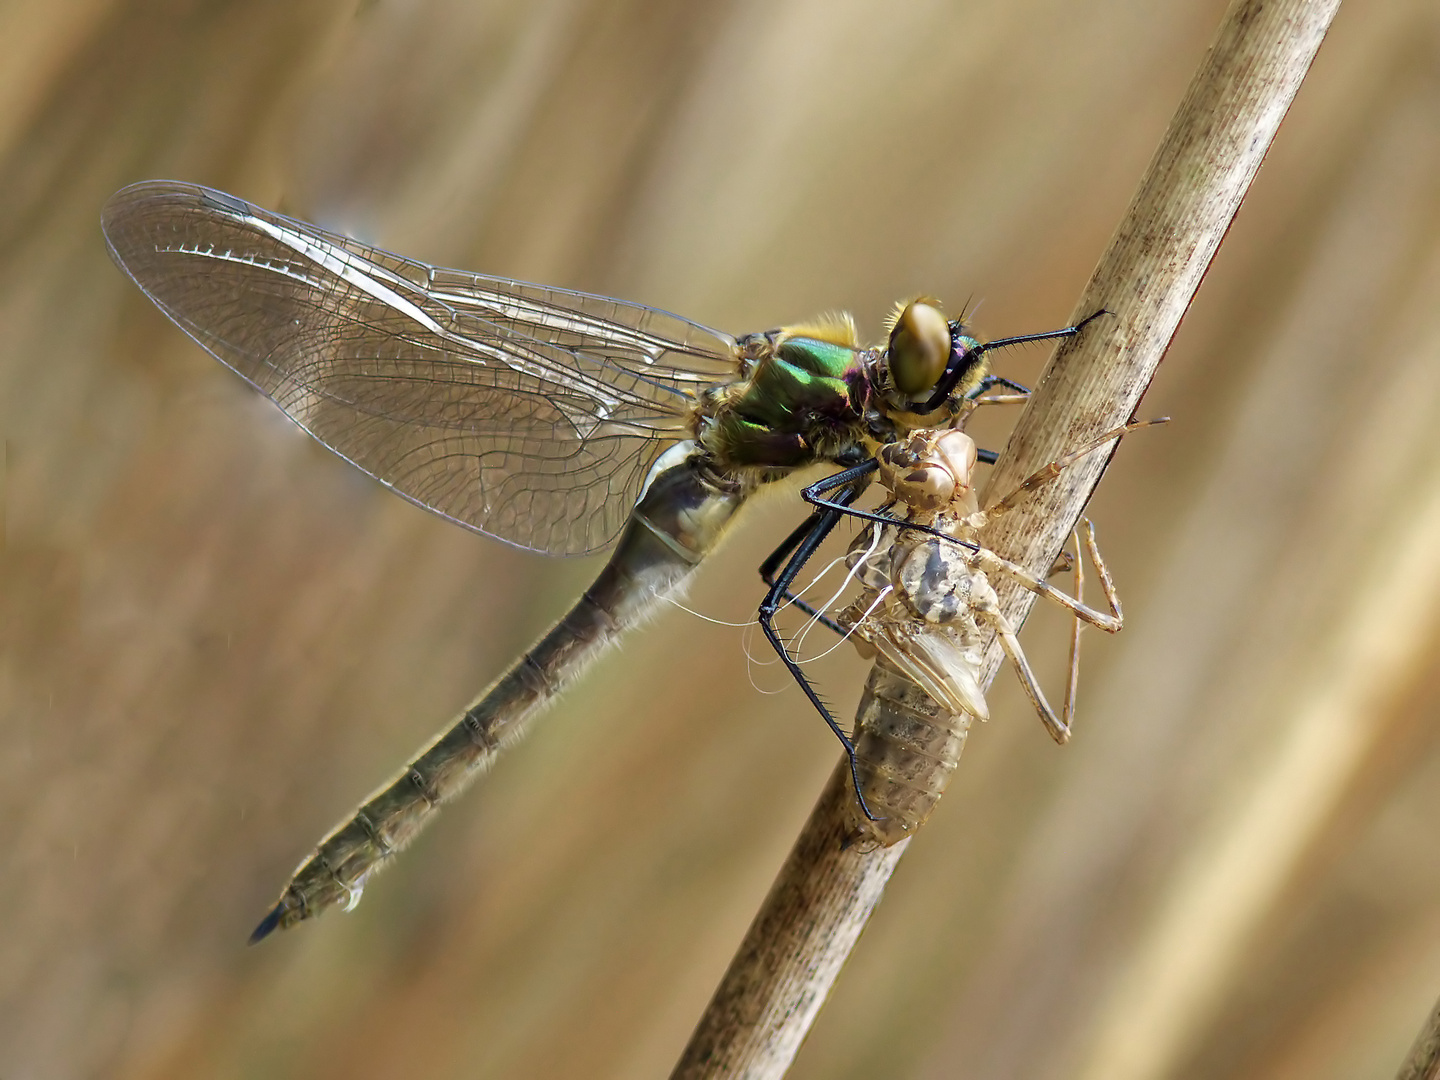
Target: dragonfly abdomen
{"type": "Point", "coordinates": [680, 518]}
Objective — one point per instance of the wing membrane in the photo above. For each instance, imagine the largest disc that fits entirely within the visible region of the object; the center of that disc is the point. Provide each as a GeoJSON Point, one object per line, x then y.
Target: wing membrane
{"type": "Point", "coordinates": [529, 413]}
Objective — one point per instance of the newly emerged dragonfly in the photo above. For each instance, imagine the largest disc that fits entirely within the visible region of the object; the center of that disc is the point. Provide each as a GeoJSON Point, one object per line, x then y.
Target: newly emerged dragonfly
{"type": "Point", "coordinates": [554, 420]}
{"type": "Point", "coordinates": [923, 613]}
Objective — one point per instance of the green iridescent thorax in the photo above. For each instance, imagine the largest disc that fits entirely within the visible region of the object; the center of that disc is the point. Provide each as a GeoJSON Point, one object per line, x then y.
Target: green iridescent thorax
{"type": "Point", "coordinates": [800, 404]}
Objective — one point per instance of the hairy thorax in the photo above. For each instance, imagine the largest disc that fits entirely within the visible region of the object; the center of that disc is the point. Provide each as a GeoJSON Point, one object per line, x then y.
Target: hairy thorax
{"type": "Point", "coordinates": [803, 397]}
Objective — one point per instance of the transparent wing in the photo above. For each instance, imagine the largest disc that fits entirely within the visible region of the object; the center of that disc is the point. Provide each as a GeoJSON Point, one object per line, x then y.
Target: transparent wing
{"type": "Point", "coordinates": [529, 413]}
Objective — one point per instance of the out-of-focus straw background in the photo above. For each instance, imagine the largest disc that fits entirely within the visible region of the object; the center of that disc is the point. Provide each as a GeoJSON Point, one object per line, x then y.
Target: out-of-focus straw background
{"type": "Point", "coordinates": [218, 636]}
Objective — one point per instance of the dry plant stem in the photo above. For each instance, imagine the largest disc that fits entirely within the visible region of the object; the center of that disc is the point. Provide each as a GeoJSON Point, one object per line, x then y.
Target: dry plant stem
{"type": "Point", "coordinates": [1156, 260]}
{"type": "Point", "coordinates": [1423, 1062]}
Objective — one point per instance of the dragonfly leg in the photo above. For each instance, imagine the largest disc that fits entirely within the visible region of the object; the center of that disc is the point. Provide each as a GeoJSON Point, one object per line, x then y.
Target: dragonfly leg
{"type": "Point", "coordinates": [1059, 728]}
{"type": "Point", "coordinates": [1001, 399]}
{"type": "Point", "coordinates": [1107, 585]}
{"type": "Point", "coordinates": [992, 381]}
{"type": "Point", "coordinates": [1048, 335]}
{"type": "Point", "coordinates": [989, 611]}
{"type": "Point", "coordinates": [948, 381]}
{"type": "Point", "coordinates": [814, 495]}
{"type": "Point", "coordinates": [1072, 679]}
{"type": "Point", "coordinates": [820, 525]}
{"type": "Point", "coordinates": [780, 554]}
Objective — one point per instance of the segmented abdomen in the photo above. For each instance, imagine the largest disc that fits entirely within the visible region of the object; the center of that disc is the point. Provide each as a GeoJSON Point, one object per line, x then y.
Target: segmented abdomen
{"type": "Point", "coordinates": [906, 747]}
{"type": "Point", "coordinates": [678, 520]}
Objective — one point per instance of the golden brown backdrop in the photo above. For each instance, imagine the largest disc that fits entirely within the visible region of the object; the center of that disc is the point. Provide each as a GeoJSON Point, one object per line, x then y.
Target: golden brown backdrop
{"type": "Point", "coordinates": [218, 636]}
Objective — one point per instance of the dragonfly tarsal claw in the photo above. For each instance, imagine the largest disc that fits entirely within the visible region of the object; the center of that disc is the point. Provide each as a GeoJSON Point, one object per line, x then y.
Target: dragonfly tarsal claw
{"type": "Point", "coordinates": [858, 786]}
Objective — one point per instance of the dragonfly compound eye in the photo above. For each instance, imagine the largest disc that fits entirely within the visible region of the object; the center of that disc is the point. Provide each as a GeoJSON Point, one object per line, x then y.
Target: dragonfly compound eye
{"type": "Point", "coordinates": [919, 348]}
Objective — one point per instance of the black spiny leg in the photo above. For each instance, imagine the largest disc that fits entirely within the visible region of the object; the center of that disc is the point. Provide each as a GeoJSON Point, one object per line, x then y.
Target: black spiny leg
{"type": "Point", "coordinates": [814, 496]}
{"type": "Point", "coordinates": [992, 381]}
{"type": "Point", "coordinates": [800, 545]}
{"type": "Point", "coordinates": [780, 554]}
{"type": "Point", "coordinates": [946, 386]}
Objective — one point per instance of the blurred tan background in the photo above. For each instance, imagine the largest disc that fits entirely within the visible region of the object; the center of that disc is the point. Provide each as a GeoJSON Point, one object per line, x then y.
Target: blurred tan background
{"type": "Point", "coordinates": [218, 637]}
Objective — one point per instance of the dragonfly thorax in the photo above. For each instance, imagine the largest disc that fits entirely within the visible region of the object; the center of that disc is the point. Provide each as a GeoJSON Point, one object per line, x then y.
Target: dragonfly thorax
{"type": "Point", "coordinates": [802, 399]}
{"type": "Point", "coordinates": [810, 393]}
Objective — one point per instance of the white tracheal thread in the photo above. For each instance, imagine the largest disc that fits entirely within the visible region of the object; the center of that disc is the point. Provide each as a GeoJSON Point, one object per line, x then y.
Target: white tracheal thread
{"type": "Point", "coordinates": [706, 618]}
{"type": "Point", "coordinates": [747, 626]}
{"type": "Point", "coordinates": [749, 623]}
{"type": "Point", "coordinates": [880, 599]}
{"type": "Point", "coordinates": [849, 577]}
{"type": "Point", "coordinates": [751, 661]}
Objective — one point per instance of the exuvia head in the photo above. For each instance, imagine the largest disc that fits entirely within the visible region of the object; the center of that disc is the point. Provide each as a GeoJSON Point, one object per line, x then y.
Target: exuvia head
{"type": "Point", "coordinates": [930, 470]}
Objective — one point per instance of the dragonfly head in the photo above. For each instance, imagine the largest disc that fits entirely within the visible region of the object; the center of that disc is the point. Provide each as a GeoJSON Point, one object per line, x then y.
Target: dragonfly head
{"type": "Point", "coordinates": [928, 358]}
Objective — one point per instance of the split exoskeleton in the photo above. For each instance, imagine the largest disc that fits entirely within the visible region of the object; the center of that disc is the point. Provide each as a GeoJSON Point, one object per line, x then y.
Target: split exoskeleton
{"type": "Point", "coordinates": [927, 612]}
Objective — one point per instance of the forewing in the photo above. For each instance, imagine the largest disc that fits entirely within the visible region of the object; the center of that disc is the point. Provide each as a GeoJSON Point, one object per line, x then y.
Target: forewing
{"type": "Point", "coordinates": [529, 413]}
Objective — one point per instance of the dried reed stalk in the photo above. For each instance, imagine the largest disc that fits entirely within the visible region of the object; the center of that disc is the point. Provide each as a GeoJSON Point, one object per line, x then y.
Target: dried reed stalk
{"type": "Point", "coordinates": [811, 919]}
{"type": "Point", "coordinates": [1423, 1061]}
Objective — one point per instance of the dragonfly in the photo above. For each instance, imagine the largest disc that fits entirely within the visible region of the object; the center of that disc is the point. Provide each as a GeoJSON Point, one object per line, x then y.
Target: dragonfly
{"type": "Point", "coordinates": [558, 421]}
{"type": "Point", "coordinates": [926, 612]}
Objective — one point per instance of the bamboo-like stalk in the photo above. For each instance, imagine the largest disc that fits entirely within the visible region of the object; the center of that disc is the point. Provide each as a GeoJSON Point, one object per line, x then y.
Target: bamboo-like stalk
{"type": "Point", "coordinates": [1423, 1061]}
{"type": "Point", "coordinates": [813, 915]}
